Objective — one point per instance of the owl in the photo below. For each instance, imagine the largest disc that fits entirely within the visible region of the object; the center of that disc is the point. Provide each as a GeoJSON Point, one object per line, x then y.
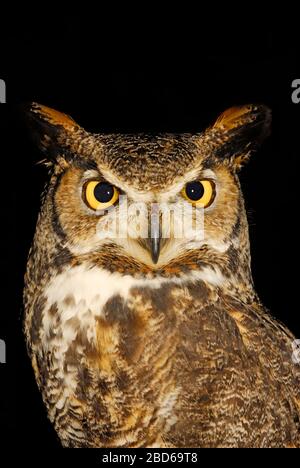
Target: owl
{"type": "Point", "coordinates": [141, 318]}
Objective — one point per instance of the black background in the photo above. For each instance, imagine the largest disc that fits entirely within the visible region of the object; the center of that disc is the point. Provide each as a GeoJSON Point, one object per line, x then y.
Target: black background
{"type": "Point", "coordinates": [138, 85]}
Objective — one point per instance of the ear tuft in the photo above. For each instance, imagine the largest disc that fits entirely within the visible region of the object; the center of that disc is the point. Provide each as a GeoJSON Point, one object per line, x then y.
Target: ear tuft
{"type": "Point", "coordinates": [53, 117]}
{"type": "Point", "coordinates": [239, 130]}
{"type": "Point", "coordinates": [53, 131]}
{"type": "Point", "coordinates": [258, 116]}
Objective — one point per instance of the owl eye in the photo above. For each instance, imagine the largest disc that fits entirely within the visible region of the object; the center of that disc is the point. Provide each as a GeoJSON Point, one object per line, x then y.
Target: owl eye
{"type": "Point", "coordinates": [200, 192]}
{"type": "Point", "coordinates": [99, 195]}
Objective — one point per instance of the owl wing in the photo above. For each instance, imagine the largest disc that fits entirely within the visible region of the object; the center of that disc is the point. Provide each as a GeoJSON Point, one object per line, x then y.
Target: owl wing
{"type": "Point", "coordinates": [275, 348]}
{"type": "Point", "coordinates": [239, 384]}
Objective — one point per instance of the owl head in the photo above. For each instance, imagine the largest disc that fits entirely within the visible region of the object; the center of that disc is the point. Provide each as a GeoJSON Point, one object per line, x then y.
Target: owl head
{"type": "Point", "coordinates": [148, 205]}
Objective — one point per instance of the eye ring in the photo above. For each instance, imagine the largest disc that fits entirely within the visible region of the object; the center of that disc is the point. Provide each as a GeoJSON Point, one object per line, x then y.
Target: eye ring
{"type": "Point", "coordinates": [200, 193]}
{"type": "Point", "coordinates": [99, 195]}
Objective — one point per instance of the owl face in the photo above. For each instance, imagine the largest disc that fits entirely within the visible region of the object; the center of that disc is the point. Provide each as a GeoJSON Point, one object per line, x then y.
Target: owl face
{"type": "Point", "coordinates": [148, 203]}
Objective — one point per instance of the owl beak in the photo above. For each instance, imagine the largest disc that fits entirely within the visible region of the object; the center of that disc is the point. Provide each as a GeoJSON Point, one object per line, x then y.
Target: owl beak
{"type": "Point", "coordinates": [155, 232]}
{"type": "Point", "coordinates": [155, 249]}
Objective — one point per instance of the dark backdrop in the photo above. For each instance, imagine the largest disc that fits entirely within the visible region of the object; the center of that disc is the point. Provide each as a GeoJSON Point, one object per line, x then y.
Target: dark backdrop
{"type": "Point", "coordinates": [122, 87]}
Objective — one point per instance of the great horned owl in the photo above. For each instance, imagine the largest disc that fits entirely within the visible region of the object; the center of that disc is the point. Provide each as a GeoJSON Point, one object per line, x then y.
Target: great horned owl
{"type": "Point", "coordinates": [154, 340]}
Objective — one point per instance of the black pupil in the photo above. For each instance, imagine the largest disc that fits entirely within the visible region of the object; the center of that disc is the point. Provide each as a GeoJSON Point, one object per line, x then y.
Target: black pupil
{"type": "Point", "coordinates": [194, 190]}
{"type": "Point", "coordinates": [103, 192]}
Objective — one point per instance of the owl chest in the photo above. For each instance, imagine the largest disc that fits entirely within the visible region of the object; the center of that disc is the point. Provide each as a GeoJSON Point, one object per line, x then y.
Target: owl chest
{"type": "Point", "coordinates": [105, 322]}
{"type": "Point", "coordinates": [110, 350]}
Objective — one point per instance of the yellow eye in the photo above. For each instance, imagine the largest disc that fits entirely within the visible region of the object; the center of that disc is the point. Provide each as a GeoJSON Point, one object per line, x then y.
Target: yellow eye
{"type": "Point", "coordinates": [99, 195]}
{"type": "Point", "coordinates": [200, 192]}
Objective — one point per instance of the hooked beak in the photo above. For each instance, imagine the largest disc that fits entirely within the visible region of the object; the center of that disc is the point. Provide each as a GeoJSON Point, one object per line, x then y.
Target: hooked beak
{"type": "Point", "coordinates": [155, 232]}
